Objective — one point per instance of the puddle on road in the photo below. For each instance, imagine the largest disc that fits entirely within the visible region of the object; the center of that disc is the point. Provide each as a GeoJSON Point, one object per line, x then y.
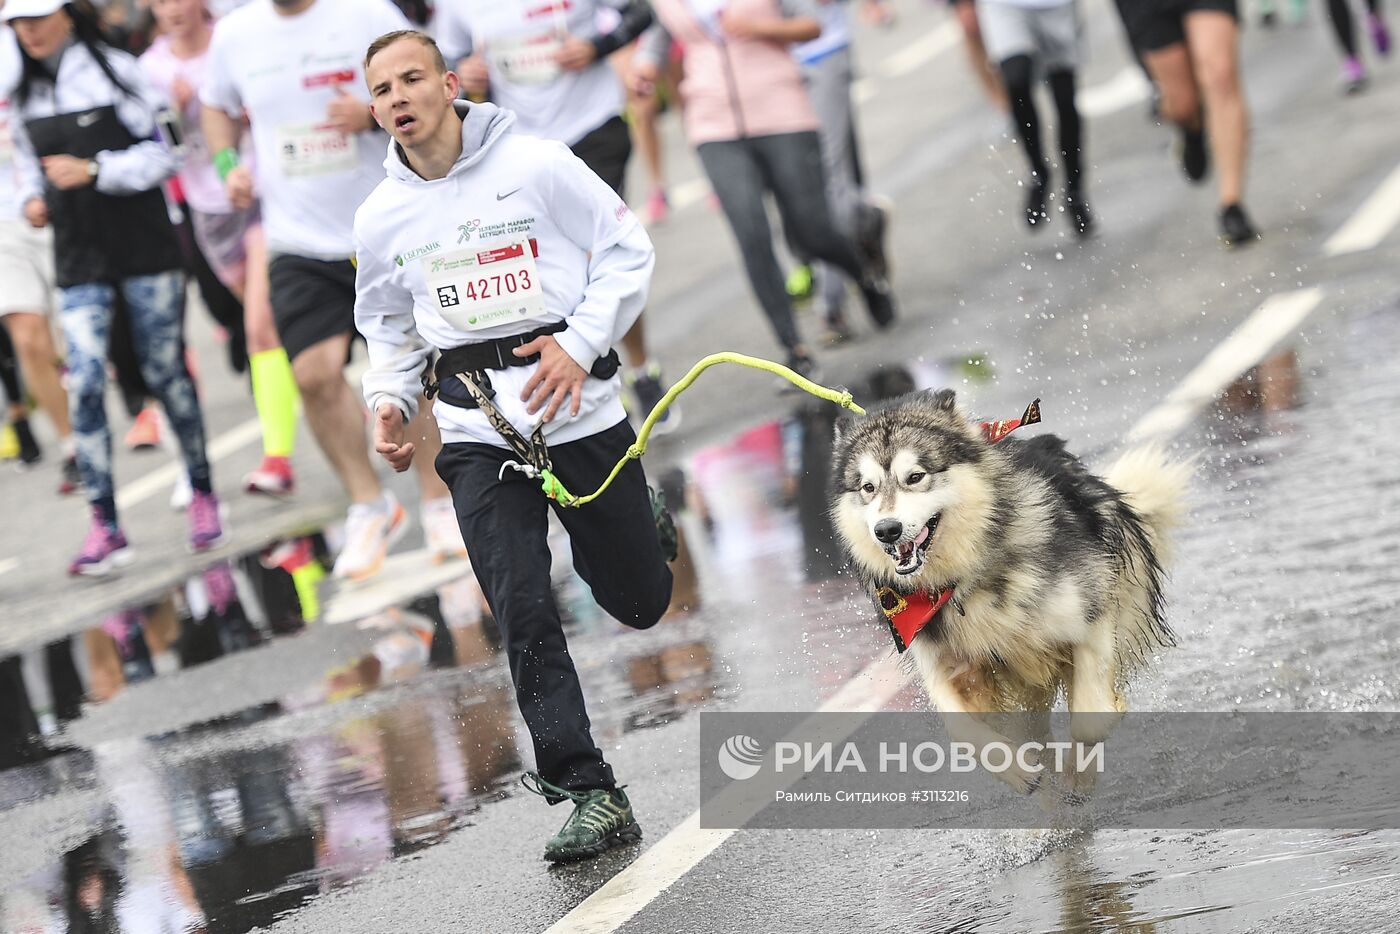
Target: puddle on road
{"type": "Point", "coordinates": [232, 822]}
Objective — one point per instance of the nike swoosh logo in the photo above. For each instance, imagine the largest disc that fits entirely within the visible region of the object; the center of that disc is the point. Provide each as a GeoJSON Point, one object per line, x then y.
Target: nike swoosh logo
{"type": "Point", "coordinates": [502, 197]}
{"type": "Point", "coordinates": [87, 119]}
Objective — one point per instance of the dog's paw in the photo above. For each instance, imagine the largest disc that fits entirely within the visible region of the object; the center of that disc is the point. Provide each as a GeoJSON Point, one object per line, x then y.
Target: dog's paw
{"type": "Point", "coordinates": [1081, 784]}
{"type": "Point", "coordinates": [1023, 780]}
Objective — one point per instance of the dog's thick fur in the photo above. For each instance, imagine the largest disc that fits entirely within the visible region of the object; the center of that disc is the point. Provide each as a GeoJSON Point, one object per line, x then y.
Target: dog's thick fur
{"type": "Point", "coordinates": [1058, 572]}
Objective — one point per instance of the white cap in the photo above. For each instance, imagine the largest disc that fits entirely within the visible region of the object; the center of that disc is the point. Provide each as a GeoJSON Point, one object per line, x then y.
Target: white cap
{"type": "Point", "coordinates": [19, 9]}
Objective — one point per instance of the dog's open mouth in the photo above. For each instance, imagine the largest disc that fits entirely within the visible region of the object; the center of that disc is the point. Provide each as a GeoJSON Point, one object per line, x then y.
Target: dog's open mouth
{"type": "Point", "coordinates": [908, 553]}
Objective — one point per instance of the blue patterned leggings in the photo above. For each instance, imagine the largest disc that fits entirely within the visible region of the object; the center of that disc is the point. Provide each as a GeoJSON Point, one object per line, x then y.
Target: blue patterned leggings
{"type": "Point", "coordinates": [156, 305]}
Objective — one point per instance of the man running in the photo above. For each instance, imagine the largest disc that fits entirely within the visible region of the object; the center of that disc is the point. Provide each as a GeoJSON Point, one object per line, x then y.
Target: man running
{"type": "Point", "coordinates": [547, 63]}
{"type": "Point", "coordinates": [1191, 49]}
{"type": "Point", "coordinates": [231, 240]}
{"type": "Point", "coordinates": [525, 310]}
{"type": "Point", "coordinates": [294, 67]}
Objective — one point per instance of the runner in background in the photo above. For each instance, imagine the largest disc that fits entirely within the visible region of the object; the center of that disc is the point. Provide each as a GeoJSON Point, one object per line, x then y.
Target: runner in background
{"type": "Point", "coordinates": [295, 68]}
{"type": "Point", "coordinates": [27, 290]}
{"type": "Point", "coordinates": [1028, 38]}
{"type": "Point", "coordinates": [754, 129]}
{"type": "Point", "coordinates": [827, 72]}
{"type": "Point", "coordinates": [231, 240]}
{"type": "Point", "coordinates": [547, 63]}
{"type": "Point", "coordinates": [643, 113]}
{"type": "Point", "coordinates": [102, 135]}
{"type": "Point", "coordinates": [1344, 25]}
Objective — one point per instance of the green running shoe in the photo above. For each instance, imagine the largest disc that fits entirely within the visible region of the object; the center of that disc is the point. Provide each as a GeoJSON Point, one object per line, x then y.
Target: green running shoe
{"type": "Point", "coordinates": [800, 285]}
{"type": "Point", "coordinates": [601, 820]}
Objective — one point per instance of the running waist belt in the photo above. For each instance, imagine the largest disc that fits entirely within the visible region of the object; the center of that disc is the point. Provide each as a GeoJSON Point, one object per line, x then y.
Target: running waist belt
{"type": "Point", "coordinates": [476, 359]}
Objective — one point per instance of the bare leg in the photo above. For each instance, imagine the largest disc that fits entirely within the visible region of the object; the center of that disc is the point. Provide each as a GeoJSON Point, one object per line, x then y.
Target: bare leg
{"type": "Point", "coordinates": [1171, 71]}
{"type": "Point", "coordinates": [1213, 39]}
{"type": "Point", "coordinates": [977, 55]}
{"type": "Point", "coordinates": [256, 295]}
{"type": "Point", "coordinates": [336, 416]}
{"type": "Point", "coordinates": [39, 361]}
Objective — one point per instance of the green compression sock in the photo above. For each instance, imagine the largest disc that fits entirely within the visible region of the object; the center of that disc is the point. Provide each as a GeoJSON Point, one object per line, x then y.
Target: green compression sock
{"type": "Point", "coordinates": [275, 395]}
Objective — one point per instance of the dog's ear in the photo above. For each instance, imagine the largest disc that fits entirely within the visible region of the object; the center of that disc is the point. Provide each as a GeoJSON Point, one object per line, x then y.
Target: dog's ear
{"type": "Point", "coordinates": [841, 429]}
{"type": "Point", "coordinates": [945, 400]}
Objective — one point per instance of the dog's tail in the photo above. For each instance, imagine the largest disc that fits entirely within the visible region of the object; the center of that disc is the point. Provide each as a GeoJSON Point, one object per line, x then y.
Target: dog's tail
{"type": "Point", "coordinates": [1155, 486]}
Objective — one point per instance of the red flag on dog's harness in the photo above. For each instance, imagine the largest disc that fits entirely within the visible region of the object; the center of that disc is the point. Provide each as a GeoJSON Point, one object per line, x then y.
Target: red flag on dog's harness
{"type": "Point", "coordinates": [908, 614]}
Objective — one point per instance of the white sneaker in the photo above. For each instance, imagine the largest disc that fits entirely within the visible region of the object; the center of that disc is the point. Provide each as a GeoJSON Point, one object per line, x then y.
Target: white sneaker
{"type": "Point", "coordinates": [440, 529]}
{"type": "Point", "coordinates": [182, 494]}
{"type": "Point", "coordinates": [370, 530]}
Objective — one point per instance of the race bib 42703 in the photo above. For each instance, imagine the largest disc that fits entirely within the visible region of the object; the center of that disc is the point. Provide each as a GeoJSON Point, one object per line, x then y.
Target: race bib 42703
{"type": "Point", "coordinates": [486, 288]}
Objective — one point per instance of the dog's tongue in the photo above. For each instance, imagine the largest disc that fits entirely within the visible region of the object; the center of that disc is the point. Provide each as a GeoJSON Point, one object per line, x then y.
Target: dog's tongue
{"type": "Point", "coordinates": [905, 550]}
{"type": "Point", "coordinates": [921, 537]}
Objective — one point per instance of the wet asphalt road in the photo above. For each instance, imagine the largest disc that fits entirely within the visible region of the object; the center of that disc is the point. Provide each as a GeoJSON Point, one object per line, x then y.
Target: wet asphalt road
{"type": "Point", "coordinates": [354, 777]}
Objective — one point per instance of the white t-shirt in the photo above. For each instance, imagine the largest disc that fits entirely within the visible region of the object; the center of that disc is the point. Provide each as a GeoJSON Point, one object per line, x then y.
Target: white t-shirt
{"type": "Point", "coordinates": [11, 183]}
{"type": "Point", "coordinates": [518, 38]}
{"type": "Point", "coordinates": [284, 71]}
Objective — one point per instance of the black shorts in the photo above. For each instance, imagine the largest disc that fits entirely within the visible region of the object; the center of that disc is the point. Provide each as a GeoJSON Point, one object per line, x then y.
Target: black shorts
{"type": "Point", "coordinates": [312, 299]}
{"type": "Point", "coordinates": [1156, 24]}
{"type": "Point", "coordinates": [606, 151]}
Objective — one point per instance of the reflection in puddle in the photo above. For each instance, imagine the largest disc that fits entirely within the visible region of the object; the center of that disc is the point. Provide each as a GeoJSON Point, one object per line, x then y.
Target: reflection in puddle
{"type": "Point", "coordinates": [228, 823]}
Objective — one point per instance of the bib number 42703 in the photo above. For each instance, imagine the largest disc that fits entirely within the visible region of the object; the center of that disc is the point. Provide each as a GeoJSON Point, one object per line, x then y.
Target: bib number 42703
{"type": "Point", "coordinates": [478, 289]}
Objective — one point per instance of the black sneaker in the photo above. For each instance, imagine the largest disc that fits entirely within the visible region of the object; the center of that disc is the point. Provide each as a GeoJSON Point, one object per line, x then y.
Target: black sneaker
{"type": "Point", "coordinates": [874, 221]}
{"type": "Point", "coordinates": [803, 366]}
{"type": "Point", "coordinates": [72, 480]}
{"type": "Point", "coordinates": [1037, 192]}
{"type": "Point", "coordinates": [648, 389]}
{"type": "Point", "coordinates": [1077, 210]}
{"type": "Point", "coordinates": [602, 819]}
{"type": "Point", "coordinates": [665, 525]}
{"type": "Point", "coordinates": [879, 300]}
{"type": "Point", "coordinates": [29, 452]}
{"type": "Point", "coordinates": [1235, 228]}
{"type": "Point", "coordinates": [1195, 155]}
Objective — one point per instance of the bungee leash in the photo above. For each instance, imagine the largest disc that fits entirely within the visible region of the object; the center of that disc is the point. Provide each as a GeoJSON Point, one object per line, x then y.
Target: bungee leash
{"type": "Point", "coordinates": [535, 461]}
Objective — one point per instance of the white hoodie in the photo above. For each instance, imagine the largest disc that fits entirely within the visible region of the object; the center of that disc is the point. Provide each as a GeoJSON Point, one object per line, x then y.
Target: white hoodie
{"type": "Point", "coordinates": [594, 263]}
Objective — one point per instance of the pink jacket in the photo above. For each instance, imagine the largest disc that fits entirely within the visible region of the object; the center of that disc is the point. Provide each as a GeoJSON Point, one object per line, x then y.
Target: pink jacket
{"type": "Point", "coordinates": [733, 88]}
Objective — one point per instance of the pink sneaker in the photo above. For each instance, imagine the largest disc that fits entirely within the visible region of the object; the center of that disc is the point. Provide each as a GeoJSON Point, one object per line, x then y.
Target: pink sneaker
{"type": "Point", "coordinates": [658, 208]}
{"type": "Point", "coordinates": [104, 550]}
{"type": "Point", "coordinates": [1380, 35]}
{"type": "Point", "coordinates": [206, 528]}
{"type": "Point", "coordinates": [274, 477]}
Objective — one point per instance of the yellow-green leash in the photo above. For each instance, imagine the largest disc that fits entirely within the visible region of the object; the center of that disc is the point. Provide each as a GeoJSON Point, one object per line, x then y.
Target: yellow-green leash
{"type": "Point", "coordinates": [556, 491]}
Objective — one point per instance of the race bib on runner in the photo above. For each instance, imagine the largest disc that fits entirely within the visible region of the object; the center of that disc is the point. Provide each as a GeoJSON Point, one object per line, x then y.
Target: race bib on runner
{"type": "Point", "coordinates": [476, 289]}
{"type": "Point", "coordinates": [527, 60]}
{"type": "Point", "coordinates": [315, 149]}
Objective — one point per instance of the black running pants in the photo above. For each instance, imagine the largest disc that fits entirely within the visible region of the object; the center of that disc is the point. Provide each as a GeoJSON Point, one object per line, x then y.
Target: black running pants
{"type": "Point", "coordinates": [615, 549]}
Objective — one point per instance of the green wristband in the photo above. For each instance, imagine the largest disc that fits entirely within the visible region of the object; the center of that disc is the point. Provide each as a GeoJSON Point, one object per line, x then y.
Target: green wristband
{"type": "Point", "coordinates": [225, 161]}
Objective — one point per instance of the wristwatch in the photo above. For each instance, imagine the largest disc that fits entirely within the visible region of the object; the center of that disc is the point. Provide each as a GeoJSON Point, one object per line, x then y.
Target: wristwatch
{"type": "Point", "coordinates": [93, 166]}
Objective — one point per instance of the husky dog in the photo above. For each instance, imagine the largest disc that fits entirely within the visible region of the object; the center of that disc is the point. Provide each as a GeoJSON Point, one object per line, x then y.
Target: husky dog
{"type": "Point", "coordinates": [1043, 575]}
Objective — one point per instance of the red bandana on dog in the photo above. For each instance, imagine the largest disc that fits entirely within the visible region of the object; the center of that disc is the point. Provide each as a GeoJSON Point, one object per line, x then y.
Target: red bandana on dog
{"type": "Point", "coordinates": [908, 614]}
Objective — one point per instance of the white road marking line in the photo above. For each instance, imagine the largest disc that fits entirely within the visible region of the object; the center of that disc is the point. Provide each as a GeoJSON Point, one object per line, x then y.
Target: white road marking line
{"type": "Point", "coordinates": [922, 51]}
{"type": "Point", "coordinates": [632, 889]}
{"type": "Point", "coordinates": [8, 565]}
{"type": "Point", "coordinates": [1270, 323]}
{"type": "Point", "coordinates": [1124, 89]}
{"type": "Point", "coordinates": [687, 193]}
{"type": "Point", "coordinates": [688, 843]}
{"type": "Point", "coordinates": [1376, 217]}
{"type": "Point", "coordinates": [161, 478]}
